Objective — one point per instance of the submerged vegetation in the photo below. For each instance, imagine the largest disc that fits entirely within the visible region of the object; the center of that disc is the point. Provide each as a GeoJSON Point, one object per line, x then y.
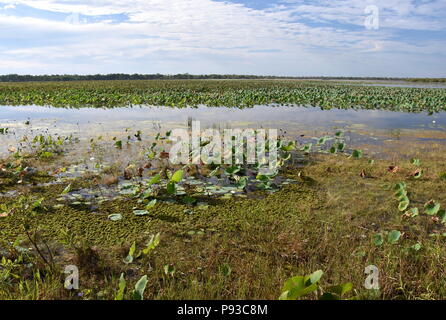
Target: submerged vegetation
{"type": "Point", "coordinates": [229, 93]}
{"type": "Point", "coordinates": [236, 247]}
{"type": "Point", "coordinates": [163, 232]}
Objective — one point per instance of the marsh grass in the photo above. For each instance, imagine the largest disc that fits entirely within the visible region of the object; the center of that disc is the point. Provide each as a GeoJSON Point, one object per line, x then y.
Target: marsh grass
{"type": "Point", "coordinates": [327, 221]}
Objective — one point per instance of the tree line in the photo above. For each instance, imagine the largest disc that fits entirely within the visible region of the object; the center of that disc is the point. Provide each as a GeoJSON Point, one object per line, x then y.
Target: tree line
{"type": "Point", "coordinates": [182, 76]}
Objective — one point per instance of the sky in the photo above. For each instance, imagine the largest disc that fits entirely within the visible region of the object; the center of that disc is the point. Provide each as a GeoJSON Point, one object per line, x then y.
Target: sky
{"type": "Point", "coordinates": [385, 38]}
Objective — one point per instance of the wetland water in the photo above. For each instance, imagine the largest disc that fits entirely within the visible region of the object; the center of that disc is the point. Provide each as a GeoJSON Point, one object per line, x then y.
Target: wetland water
{"type": "Point", "coordinates": [375, 132]}
{"type": "Point", "coordinates": [90, 122]}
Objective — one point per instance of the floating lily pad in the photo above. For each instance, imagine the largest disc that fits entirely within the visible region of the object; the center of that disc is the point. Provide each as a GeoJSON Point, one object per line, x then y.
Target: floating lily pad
{"type": "Point", "coordinates": [140, 212]}
{"type": "Point", "coordinates": [151, 204]}
{"type": "Point", "coordinates": [115, 217]}
{"type": "Point", "coordinates": [202, 205]}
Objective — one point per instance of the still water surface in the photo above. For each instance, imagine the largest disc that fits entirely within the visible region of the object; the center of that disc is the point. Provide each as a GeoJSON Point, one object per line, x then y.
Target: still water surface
{"type": "Point", "coordinates": [85, 123]}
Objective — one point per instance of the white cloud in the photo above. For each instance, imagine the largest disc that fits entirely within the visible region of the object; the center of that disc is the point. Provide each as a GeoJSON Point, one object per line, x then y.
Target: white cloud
{"type": "Point", "coordinates": [9, 6]}
{"type": "Point", "coordinates": [400, 14]}
{"type": "Point", "coordinates": [204, 36]}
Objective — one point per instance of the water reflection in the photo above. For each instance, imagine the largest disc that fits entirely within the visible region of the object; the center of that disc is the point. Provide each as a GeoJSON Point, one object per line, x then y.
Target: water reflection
{"type": "Point", "coordinates": [364, 125]}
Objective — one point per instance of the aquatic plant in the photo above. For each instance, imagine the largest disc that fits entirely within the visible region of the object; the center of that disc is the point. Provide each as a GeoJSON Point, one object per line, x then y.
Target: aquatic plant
{"type": "Point", "coordinates": [392, 237]}
{"type": "Point", "coordinates": [432, 208]}
{"type": "Point", "coordinates": [233, 93]}
{"type": "Point", "coordinates": [300, 286]}
{"type": "Point", "coordinates": [42, 146]}
{"type": "Point", "coordinates": [137, 293]}
{"type": "Point", "coordinates": [176, 178]}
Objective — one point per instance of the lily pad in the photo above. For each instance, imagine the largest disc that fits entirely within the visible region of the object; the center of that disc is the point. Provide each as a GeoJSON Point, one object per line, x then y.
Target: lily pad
{"type": "Point", "coordinates": [378, 239]}
{"type": "Point", "coordinates": [140, 212]}
{"type": "Point", "coordinates": [431, 208]}
{"type": "Point", "coordinates": [404, 204]}
{"type": "Point", "coordinates": [177, 176]}
{"type": "Point", "coordinates": [357, 154]}
{"type": "Point", "coordinates": [393, 236]}
{"type": "Point", "coordinates": [115, 217]}
{"type": "Point", "coordinates": [151, 204]}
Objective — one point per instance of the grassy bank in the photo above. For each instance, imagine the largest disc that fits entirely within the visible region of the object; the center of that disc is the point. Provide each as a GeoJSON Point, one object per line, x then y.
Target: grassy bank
{"type": "Point", "coordinates": [241, 248]}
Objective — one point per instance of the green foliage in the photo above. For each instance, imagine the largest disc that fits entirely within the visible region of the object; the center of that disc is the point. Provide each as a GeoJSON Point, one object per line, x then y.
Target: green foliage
{"type": "Point", "coordinates": [152, 244]}
{"type": "Point", "coordinates": [442, 216]}
{"type": "Point", "coordinates": [176, 178]}
{"type": "Point", "coordinates": [337, 292]}
{"type": "Point", "coordinates": [322, 140]}
{"type": "Point", "coordinates": [171, 188]}
{"type": "Point", "coordinates": [234, 93]}
{"type": "Point", "coordinates": [130, 255]}
{"type": "Point", "coordinates": [67, 189]}
{"type": "Point", "coordinates": [44, 146]}
{"type": "Point", "coordinates": [401, 195]}
{"type": "Point", "coordinates": [431, 208]}
{"type": "Point", "coordinates": [300, 286]}
{"type": "Point", "coordinates": [307, 148]}
{"type": "Point", "coordinates": [138, 292]}
{"type": "Point", "coordinates": [140, 287]}
{"type": "Point", "coordinates": [378, 239]}
{"type": "Point", "coordinates": [155, 179]}
{"type": "Point", "coordinates": [413, 212]}
{"type": "Point", "coordinates": [118, 144]}
{"type": "Point", "coordinates": [416, 247]}
{"type": "Point", "coordinates": [151, 204]}
{"type": "Point", "coordinates": [341, 146]}
{"type": "Point", "coordinates": [404, 204]}
{"type": "Point", "coordinates": [400, 186]}
{"type": "Point", "coordinates": [288, 148]}
{"type": "Point", "coordinates": [189, 200]}
{"type": "Point", "coordinates": [122, 286]}
{"type": "Point", "coordinates": [232, 170]}
{"type": "Point", "coordinates": [418, 174]}
{"type": "Point", "coordinates": [357, 154]}
{"type": "Point", "coordinates": [225, 269]}
{"type": "Point", "coordinates": [393, 236]}
{"type": "Point", "coordinates": [169, 270]}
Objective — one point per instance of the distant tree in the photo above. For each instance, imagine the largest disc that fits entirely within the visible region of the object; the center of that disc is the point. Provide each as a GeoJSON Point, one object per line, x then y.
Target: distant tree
{"type": "Point", "coordinates": [157, 76]}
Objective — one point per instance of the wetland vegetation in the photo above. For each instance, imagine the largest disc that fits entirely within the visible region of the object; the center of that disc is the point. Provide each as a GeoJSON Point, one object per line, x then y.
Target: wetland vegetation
{"type": "Point", "coordinates": [138, 227]}
{"type": "Point", "coordinates": [227, 93]}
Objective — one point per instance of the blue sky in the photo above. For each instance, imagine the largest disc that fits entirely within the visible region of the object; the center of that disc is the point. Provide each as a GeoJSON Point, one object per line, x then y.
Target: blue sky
{"type": "Point", "coordinates": [277, 37]}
